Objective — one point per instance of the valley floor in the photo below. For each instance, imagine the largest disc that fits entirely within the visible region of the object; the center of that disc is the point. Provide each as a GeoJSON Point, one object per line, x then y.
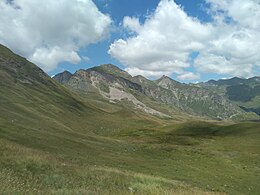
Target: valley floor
{"type": "Point", "coordinates": [194, 158]}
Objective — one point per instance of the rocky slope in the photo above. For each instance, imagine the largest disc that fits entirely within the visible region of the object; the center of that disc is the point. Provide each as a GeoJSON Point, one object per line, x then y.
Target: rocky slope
{"type": "Point", "coordinates": [242, 92]}
{"type": "Point", "coordinates": [32, 103]}
{"type": "Point", "coordinates": [117, 85]}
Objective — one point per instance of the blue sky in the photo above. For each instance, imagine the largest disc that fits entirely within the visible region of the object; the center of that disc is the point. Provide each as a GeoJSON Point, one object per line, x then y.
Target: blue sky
{"type": "Point", "coordinates": [187, 40]}
{"type": "Point", "coordinates": [118, 9]}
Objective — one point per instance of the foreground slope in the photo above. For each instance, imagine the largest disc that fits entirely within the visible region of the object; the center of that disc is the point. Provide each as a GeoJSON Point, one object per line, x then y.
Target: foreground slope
{"type": "Point", "coordinates": [54, 142]}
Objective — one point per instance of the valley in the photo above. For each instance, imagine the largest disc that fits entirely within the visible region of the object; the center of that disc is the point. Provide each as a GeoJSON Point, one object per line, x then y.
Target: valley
{"type": "Point", "coordinates": [102, 131]}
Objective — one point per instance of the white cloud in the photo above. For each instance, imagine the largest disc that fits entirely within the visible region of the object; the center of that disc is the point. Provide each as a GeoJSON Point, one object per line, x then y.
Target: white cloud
{"type": "Point", "coordinates": [132, 24]}
{"type": "Point", "coordinates": [211, 63]}
{"type": "Point", "coordinates": [49, 32]}
{"type": "Point", "coordinates": [245, 12]}
{"type": "Point", "coordinates": [134, 71]}
{"type": "Point", "coordinates": [228, 45]}
{"type": "Point", "coordinates": [234, 48]}
{"type": "Point", "coordinates": [53, 56]}
{"type": "Point", "coordinates": [189, 76]}
{"type": "Point", "coordinates": [163, 43]}
{"type": "Point", "coordinates": [85, 58]}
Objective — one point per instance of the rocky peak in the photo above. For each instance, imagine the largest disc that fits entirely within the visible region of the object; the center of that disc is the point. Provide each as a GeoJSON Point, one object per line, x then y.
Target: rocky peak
{"type": "Point", "coordinates": [141, 79]}
{"type": "Point", "coordinates": [164, 77]}
{"type": "Point", "coordinates": [80, 72]}
{"type": "Point", "coordinates": [110, 67]}
{"type": "Point", "coordinates": [186, 98]}
{"type": "Point", "coordinates": [63, 77]}
{"type": "Point", "coordinates": [167, 82]}
{"type": "Point", "coordinates": [113, 70]}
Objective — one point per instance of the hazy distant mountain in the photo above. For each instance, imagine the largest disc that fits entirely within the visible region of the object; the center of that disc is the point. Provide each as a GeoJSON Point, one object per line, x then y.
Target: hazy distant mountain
{"type": "Point", "coordinates": [234, 81]}
{"type": "Point", "coordinates": [63, 77]}
{"type": "Point", "coordinates": [243, 92]}
{"type": "Point", "coordinates": [116, 85]}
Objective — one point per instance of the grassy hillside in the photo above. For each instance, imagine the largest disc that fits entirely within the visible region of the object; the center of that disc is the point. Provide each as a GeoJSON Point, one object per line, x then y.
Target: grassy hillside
{"type": "Point", "coordinates": [197, 158]}
{"type": "Point", "coordinates": [54, 142]}
{"type": "Point", "coordinates": [243, 92]}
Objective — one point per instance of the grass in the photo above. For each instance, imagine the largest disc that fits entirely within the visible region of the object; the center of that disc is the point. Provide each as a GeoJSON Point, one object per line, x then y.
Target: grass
{"type": "Point", "coordinates": [39, 173]}
{"type": "Point", "coordinates": [55, 142]}
{"type": "Point", "coordinates": [174, 159]}
{"type": "Point", "coordinates": [53, 147]}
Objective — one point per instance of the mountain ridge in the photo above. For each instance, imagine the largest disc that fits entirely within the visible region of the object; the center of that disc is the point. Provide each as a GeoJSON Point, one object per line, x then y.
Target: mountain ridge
{"type": "Point", "coordinates": [243, 92]}
{"type": "Point", "coordinates": [186, 98]}
{"type": "Point", "coordinates": [55, 140]}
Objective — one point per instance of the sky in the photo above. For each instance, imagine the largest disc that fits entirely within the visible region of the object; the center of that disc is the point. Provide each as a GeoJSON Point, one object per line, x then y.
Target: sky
{"type": "Point", "coordinates": [189, 41]}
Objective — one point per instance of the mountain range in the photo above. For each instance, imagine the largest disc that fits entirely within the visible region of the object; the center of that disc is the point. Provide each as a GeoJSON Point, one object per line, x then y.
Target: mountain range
{"type": "Point", "coordinates": [243, 92]}
{"type": "Point", "coordinates": [102, 131]}
{"type": "Point", "coordinates": [165, 97]}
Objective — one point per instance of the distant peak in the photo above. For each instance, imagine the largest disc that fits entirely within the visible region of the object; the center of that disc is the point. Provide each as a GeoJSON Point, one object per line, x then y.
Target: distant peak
{"type": "Point", "coordinates": [110, 66]}
{"type": "Point", "coordinates": [111, 69]}
{"type": "Point", "coordinates": [80, 71]}
{"type": "Point", "coordinates": [63, 77]}
{"type": "Point", "coordinates": [165, 78]}
{"type": "Point", "coordinates": [140, 77]}
{"type": "Point", "coordinates": [232, 79]}
{"type": "Point", "coordinates": [236, 78]}
{"type": "Point", "coordinates": [107, 67]}
{"type": "Point", "coordinates": [66, 72]}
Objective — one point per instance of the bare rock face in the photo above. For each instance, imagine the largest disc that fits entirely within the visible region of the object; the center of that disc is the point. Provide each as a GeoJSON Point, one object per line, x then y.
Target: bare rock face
{"type": "Point", "coordinates": [194, 100]}
{"type": "Point", "coordinates": [63, 77]}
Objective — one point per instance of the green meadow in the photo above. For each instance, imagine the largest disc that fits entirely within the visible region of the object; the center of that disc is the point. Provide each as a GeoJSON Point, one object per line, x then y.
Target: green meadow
{"type": "Point", "coordinates": [53, 141]}
{"type": "Point", "coordinates": [178, 158]}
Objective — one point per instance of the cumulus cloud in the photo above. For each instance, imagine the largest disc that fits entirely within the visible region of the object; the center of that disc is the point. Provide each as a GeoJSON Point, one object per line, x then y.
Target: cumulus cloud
{"type": "Point", "coordinates": [189, 76]}
{"type": "Point", "coordinates": [229, 45]}
{"type": "Point", "coordinates": [234, 48]}
{"type": "Point", "coordinates": [163, 43]}
{"type": "Point", "coordinates": [134, 71]}
{"type": "Point", "coordinates": [49, 32]}
{"type": "Point", "coordinates": [245, 12]}
{"type": "Point", "coordinates": [132, 24]}
{"type": "Point", "coordinates": [48, 58]}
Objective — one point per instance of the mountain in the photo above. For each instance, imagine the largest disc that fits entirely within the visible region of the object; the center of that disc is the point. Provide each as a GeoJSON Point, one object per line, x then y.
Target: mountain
{"type": "Point", "coordinates": [234, 81]}
{"type": "Point", "coordinates": [102, 137]}
{"type": "Point", "coordinates": [63, 77]}
{"type": "Point", "coordinates": [28, 95]}
{"type": "Point", "coordinates": [150, 96]}
{"type": "Point", "coordinates": [243, 92]}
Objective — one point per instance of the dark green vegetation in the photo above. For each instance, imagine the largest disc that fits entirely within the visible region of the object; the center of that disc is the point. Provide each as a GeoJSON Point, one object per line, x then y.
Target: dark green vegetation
{"type": "Point", "coordinates": [53, 141]}
{"type": "Point", "coordinates": [243, 92]}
